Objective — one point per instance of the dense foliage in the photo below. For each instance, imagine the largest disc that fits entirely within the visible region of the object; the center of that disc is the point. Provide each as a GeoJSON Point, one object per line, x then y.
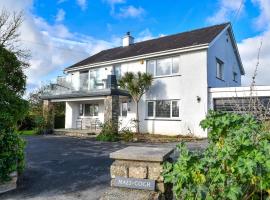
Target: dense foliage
{"type": "Point", "coordinates": [235, 165]}
{"type": "Point", "coordinates": [12, 109]}
{"type": "Point", "coordinates": [108, 132]}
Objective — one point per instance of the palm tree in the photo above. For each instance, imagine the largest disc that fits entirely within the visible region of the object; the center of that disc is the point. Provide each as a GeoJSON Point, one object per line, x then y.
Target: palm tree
{"type": "Point", "coordinates": [136, 85]}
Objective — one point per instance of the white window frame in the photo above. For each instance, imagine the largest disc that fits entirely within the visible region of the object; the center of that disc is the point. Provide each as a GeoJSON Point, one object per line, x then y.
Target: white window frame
{"type": "Point", "coordinates": [121, 108]}
{"type": "Point", "coordinates": [171, 67]}
{"type": "Point", "coordinates": [91, 104]}
{"type": "Point", "coordinates": [154, 109]}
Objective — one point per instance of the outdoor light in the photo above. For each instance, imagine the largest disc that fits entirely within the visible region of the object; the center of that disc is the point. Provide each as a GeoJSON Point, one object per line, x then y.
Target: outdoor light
{"type": "Point", "coordinates": [198, 99]}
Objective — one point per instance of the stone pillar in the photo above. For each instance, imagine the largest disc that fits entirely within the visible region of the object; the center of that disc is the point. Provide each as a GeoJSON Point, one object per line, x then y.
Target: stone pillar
{"type": "Point", "coordinates": [137, 172]}
{"type": "Point", "coordinates": [111, 110]}
{"type": "Point", "coordinates": [48, 113]}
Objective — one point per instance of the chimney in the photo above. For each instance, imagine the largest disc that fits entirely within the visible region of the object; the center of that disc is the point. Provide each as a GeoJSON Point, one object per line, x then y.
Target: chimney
{"type": "Point", "coordinates": [127, 40]}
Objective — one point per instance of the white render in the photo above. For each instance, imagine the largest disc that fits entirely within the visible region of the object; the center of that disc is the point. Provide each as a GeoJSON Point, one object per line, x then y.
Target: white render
{"type": "Point", "coordinates": [195, 86]}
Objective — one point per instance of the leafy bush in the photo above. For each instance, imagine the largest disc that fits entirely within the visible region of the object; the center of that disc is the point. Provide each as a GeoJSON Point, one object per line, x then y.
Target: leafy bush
{"type": "Point", "coordinates": [28, 123]}
{"type": "Point", "coordinates": [235, 165]}
{"type": "Point", "coordinates": [11, 154]}
{"type": "Point", "coordinates": [126, 135]}
{"type": "Point", "coordinates": [12, 109]}
{"type": "Point", "coordinates": [108, 132]}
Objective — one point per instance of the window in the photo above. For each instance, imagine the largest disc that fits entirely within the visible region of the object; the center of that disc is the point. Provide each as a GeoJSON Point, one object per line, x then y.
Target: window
{"type": "Point", "coordinates": [117, 71]}
{"type": "Point", "coordinates": [175, 108]}
{"type": "Point", "coordinates": [220, 69]}
{"type": "Point", "coordinates": [175, 67]}
{"type": "Point", "coordinates": [150, 109]}
{"type": "Point", "coordinates": [124, 108]}
{"type": "Point", "coordinates": [91, 110]}
{"type": "Point", "coordinates": [81, 110]}
{"type": "Point", "coordinates": [163, 67]}
{"type": "Point", "coordinates": [163, 109]}
{"type": "Point", "coordinates": [96, 78]}
{"type": "Point", "coordinates": [150, 67]}
{"type": "Point", "coordinates": [84, 80]}
{"type": "Point", "coordinates": [235, 76]}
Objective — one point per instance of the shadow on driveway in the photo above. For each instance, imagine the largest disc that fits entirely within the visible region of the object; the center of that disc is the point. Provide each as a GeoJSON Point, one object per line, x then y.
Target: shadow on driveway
{"type": "Point", "coordinates": [60, 167]}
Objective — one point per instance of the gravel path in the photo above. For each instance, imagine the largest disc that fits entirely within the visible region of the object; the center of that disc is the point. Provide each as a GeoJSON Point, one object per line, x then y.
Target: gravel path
{"type": "Point", "coordinates": [60, 167]}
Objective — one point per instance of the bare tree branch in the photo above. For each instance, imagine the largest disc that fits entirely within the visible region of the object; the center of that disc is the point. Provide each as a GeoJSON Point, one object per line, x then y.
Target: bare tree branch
{"type": "Point", "coordinates": [9, 34]}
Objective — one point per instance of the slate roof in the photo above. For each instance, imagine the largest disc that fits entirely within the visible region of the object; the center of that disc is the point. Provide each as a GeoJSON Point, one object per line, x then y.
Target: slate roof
{"type": "Point", "coordinates": [180, 40]}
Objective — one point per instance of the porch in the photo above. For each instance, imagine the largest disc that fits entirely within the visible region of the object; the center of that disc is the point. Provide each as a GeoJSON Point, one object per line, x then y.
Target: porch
{"type": "Point", "coordinates": [86, 110]}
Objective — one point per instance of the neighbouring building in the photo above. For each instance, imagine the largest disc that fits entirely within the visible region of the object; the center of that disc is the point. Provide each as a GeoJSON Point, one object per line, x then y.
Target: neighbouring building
{"type": "Point", "coordinates": [193, 72]}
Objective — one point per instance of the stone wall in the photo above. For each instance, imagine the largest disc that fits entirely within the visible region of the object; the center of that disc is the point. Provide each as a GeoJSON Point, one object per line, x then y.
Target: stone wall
{"type": "Point", "coordinates": [111, 110]}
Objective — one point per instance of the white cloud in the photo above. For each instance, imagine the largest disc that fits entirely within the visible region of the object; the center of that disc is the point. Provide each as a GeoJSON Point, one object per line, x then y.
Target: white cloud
{"type": "Point", "coordinates": [130, 11]}
{"type": "Point", "coordinates": [226, 11]}
{"type": "Point", "coordinates": [263, 20]}
{"type": "Point", "coordinates": [53, 47]}
{"type": "Point", "coordinates": [82, 4]}
{"type": "Point", "coordinates": [249, 50]}
{"type": "Point", "coordinates": [60, 16]}
{"type": "Point", "coordinates": [112, 2]}
{"type": "Point", "coordinates": [144, 35]}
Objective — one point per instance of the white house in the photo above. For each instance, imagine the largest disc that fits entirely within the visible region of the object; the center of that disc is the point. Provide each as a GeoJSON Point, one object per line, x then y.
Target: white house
{"type": "Point", "coordinates": [189, 69]}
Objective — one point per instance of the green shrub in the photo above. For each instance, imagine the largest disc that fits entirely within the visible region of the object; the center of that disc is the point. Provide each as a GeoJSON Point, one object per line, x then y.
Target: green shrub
{"type": "Point", "coordinates": [108, 132]}
{"type": "Point", "coordinates": [11, 154]}
{"type": "Point", "coordinates": [126, 135]}
{"type": "Point", "coordinates": [235, 165]}
{"type": "Point", "coordinates": [107, 137]}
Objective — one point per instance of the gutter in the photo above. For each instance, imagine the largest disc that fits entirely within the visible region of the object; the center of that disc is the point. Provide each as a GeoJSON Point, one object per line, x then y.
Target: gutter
{"type": "Point", "coordinates": [143, 56]}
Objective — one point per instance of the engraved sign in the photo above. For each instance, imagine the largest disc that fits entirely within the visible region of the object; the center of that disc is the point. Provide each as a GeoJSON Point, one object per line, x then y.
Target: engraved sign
{"type": "Point", "coordinates": [134, 183]}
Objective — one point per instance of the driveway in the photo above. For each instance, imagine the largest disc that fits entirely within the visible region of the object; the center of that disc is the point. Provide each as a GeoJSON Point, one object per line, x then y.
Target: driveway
{"type": "Point", "coordinates": [60, 167]}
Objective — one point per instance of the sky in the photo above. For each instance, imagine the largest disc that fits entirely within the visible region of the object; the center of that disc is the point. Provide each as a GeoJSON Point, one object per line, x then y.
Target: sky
{"type": "Point", "coordinates": [59, 33]}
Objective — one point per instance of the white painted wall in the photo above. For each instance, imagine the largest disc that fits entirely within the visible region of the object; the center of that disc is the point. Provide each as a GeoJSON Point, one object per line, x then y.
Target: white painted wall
{"type": "Point", "coordinates": [222, 49]}
{"type": "Point", "coordinates": [197, 74]}
{"type": "Point", "coordinates": [71, 114]}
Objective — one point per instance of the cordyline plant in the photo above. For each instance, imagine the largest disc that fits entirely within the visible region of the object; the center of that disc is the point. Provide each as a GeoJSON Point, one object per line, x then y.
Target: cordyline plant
{"type": "Point", "coordinates": [137, 85]}
{"type": "Point", "coordinates": [235, 165]}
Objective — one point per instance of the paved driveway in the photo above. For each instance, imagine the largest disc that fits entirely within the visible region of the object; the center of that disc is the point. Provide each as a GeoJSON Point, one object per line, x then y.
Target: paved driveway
{"type": "Point", "coordinates": [67, 168]}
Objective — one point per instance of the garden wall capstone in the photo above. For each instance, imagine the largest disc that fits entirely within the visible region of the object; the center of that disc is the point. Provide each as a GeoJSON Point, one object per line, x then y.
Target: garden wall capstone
{"type": "Point", "coordinates": [136, 173]}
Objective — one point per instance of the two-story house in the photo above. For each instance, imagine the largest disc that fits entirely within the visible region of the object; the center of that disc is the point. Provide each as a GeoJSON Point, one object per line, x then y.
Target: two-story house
{"type": "Point", "coordinates": [184, 67]}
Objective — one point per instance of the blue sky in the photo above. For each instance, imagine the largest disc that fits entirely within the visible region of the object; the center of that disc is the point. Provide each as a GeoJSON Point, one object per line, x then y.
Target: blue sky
{"type": "Point", "coordinates": [62, 32]}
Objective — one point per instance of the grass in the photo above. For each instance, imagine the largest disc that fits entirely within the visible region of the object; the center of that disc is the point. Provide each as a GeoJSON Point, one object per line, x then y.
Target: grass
{"type": "Point", "coordinates": [27, 132]}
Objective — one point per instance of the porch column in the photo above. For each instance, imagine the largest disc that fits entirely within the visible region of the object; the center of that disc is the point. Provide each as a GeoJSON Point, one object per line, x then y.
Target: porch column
{"type": "Point", "coordinates": [111, 109]}
{"type": "Point", "coordinates": [48, 113]}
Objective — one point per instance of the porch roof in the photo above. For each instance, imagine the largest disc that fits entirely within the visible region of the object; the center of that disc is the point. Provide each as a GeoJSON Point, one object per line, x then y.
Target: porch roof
{"type": "Point", "coordinates": [79, 94]}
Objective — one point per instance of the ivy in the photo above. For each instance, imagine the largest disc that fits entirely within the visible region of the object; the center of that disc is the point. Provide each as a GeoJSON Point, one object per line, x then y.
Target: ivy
{"type": "Point", "coordinates": [235, 165]}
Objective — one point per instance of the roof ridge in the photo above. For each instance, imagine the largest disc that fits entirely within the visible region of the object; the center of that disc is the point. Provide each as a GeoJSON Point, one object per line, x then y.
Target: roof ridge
{"type": "Point", "coordinates": [192, 30]}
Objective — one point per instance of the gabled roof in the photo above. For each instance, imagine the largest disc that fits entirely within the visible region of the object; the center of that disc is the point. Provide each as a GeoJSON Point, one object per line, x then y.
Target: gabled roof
{"type": "Point", "coordinates": [176, 41]}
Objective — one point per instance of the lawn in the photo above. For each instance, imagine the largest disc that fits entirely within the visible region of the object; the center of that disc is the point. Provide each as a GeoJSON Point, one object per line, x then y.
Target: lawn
{"type": "Point", "coordinates": [27, 132]}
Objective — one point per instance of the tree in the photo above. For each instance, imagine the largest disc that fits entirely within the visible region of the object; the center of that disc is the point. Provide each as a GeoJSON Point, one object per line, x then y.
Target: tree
{"type": "Point", "coordinates": [12, 109]}
{"type": "Point", "coordinates": [9, 35]}
{"type": "Point", "coordinates": [137, 85]}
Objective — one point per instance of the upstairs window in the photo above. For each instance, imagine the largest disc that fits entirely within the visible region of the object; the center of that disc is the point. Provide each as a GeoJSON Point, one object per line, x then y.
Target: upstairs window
{"type": "Point", "coordinates": [84, 80]}
{"type": "Point", "coordinates": [163, 66]}
{"type": "Point", "coordinates": [220, 69]}
{"type": "Point", "coordinates": [117, 71]}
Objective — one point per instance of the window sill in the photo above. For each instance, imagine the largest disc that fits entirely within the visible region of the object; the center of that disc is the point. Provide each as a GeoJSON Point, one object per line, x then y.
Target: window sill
{"type": "Point", "coordinates": [166, 76]}
{"type": "Point", "coordinates": [220, 79]}
{"type": "Point", "coordinates": [163, 119]}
